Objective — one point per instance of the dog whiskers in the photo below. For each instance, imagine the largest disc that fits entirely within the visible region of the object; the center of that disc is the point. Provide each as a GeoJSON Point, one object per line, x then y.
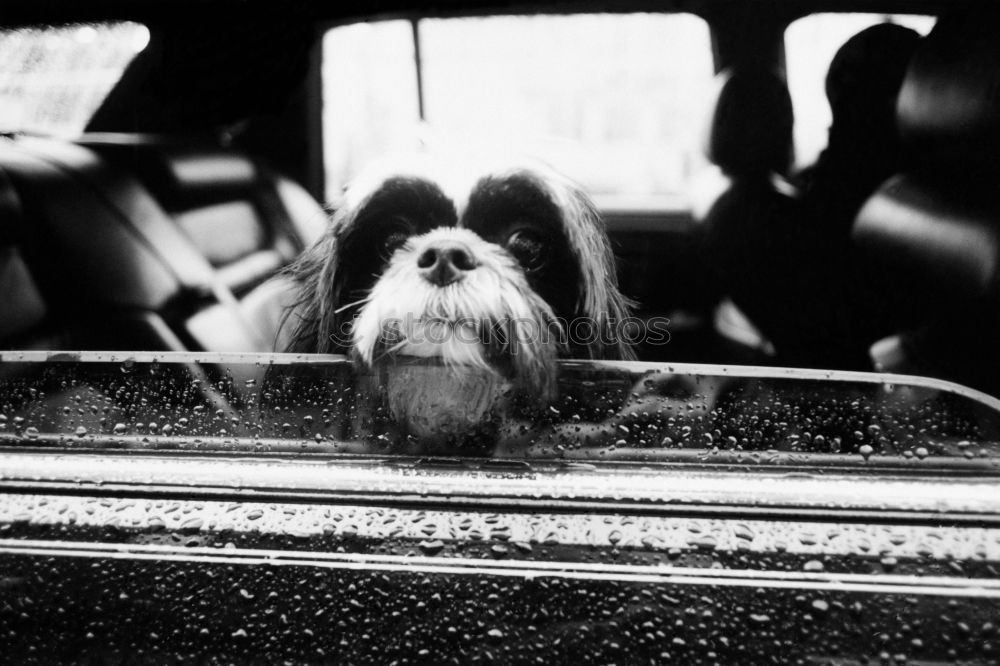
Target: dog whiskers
{"type": "Point", "coordinates": [363, 301]}
{"type": "Point", "coordinates": [392, 350]}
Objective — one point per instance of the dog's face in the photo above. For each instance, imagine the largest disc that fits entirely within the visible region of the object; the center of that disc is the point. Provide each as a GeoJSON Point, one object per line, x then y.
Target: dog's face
{"type": "Point", "coordinates": [502, 277]}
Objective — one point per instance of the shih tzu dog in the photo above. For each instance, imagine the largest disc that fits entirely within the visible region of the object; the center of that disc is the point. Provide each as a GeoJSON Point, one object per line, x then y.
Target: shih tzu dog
{"type": "Point", "coordinates": [455, 301]}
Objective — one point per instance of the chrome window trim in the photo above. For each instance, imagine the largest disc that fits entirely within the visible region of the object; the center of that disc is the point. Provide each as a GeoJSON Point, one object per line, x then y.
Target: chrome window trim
{"type": "Point", "coordinates": [696, 369]}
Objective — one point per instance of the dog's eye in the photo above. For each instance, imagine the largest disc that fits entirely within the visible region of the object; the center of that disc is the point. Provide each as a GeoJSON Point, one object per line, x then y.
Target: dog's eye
{"type": "Point", "coordinates": [393, 242]}
{"type": "Point", "coordinates": [529, 248]}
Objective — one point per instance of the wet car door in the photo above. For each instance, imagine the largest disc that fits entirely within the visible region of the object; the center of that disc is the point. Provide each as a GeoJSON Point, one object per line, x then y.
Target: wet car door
{"type": "Point", "coordinates": [157, 508]}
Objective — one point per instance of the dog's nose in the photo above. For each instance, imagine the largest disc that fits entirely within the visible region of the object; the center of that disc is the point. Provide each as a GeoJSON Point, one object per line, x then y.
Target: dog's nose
{"type": "Point", "coordinates": [444, 262]}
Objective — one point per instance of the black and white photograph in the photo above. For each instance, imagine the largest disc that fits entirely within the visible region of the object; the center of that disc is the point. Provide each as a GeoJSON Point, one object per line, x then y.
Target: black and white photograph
{"type": "Point", "coordinates": [515, 332]}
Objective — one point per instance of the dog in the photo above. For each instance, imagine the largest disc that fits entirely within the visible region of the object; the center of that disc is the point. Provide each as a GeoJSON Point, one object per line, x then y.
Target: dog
{"type": "Point", "coordinates": [455, 298]}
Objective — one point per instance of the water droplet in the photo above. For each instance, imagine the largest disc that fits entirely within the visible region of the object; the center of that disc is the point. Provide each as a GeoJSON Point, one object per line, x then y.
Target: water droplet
{"type": "Point", "coordinates": [431, 547]}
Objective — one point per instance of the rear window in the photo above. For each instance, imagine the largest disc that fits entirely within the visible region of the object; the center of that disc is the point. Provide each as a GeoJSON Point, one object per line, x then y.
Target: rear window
{"type": "Point", "coordinates": [52, 80]}
{"type": "Point", "coordinates": [810, 44]}
{"type": "Point", "coordinates": [610, 100]}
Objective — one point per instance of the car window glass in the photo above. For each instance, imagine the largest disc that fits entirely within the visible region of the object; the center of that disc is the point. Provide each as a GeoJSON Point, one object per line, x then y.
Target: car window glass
{"type": "Point", "coordinates": [53, 79]}
{"type": "Point", "coordinates": [810, 44]}
{"type": "Point", "coordinates": [604, 411]}
{"type": "Point", "coordinates": [610, 100]}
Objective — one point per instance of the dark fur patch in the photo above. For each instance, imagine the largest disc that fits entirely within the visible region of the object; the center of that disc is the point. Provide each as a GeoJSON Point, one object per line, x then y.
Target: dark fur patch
{"type": "Point", "coordinates": [347, 261]}
{"type": "Point", "coordinates": [499, 206]}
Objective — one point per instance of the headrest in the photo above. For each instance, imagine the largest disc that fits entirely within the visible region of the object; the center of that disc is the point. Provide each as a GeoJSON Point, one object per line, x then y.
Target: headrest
{"type": "Point", "coordinates": [941, 252]}
{"type": "Point", "coordinates": [751, 126]}
{"type": "Point", "coordinates": [182, 175]}
{"type": "Point", "coordinates": [949, 110]}
{"type": "Point", "coordinates": [862, 84]}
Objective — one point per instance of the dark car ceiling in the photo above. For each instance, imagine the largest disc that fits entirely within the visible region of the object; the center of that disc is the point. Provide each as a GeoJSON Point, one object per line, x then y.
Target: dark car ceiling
{"type": "Point", "coordinates": [188, 11]}
{"type": "Point", "coordinates": [242, 65]}
{"type": "Point", "coordinates": [213, 63]}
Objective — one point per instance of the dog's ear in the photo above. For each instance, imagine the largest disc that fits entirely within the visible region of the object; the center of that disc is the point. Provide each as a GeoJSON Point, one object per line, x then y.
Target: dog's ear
{"type": "Point", "coordinates": [578, 278]}
{"type": "Point", "coordinates": [600, 303]}
{"type": "Point", "coordinates": [316, 318]}
{"type": "Point", "coordinates": [335, 276]}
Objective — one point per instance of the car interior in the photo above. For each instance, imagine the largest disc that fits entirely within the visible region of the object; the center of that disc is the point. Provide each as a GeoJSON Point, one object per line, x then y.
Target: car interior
{"type": "Point", "coordinates": [195, 181]}
{"type": "Point", "coordinates": [155, 511]}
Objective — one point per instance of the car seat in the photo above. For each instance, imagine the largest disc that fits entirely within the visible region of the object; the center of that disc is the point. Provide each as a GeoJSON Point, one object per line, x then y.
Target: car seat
{"type": "Point", "coordinates": [931, 235]}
